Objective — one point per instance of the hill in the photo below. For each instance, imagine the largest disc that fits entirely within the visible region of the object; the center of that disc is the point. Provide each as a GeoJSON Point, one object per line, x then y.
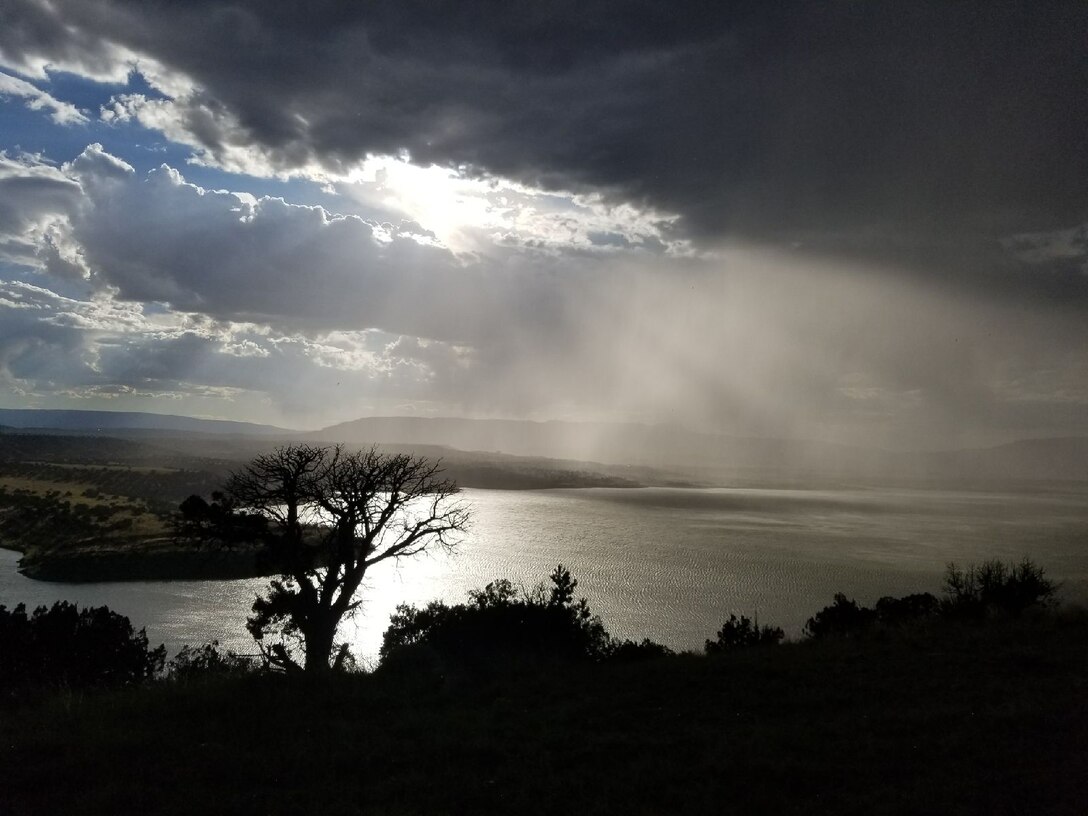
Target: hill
{"type": "Point", "coordinates": [104, 421]}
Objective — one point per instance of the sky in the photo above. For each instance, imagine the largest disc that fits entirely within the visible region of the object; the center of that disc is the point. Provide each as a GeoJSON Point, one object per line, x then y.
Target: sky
{"type": "Point", "coordinates": [862, 222]}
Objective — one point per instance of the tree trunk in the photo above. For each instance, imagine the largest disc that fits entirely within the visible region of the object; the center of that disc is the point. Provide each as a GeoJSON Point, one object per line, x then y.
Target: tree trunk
{"type": "Point", "coordinates": [319, 640]}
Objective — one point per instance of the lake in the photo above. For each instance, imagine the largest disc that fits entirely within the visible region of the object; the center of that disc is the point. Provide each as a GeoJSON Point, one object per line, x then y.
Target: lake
{"type": "Point", "coordinates": [668, 564]}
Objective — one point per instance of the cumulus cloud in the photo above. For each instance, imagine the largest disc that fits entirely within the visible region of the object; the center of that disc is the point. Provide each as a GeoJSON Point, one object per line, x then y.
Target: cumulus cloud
{"type": "Point", "coordinates": [265, 260]}
{"type": "Point", "coordinates": [156, 238]}
{"type": "Point", "coordinates": [35, 199]}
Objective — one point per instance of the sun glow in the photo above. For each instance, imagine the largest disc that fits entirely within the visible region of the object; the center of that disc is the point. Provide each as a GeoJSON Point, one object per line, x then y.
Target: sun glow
{"type": "Point", "coordinates": [442, 200]}
{"type": "Point", "coordinates": [469, 214]}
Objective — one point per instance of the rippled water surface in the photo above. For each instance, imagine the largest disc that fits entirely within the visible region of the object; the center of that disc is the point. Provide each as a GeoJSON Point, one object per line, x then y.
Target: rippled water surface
{"type": "Point", "coordinates": [667, 564]}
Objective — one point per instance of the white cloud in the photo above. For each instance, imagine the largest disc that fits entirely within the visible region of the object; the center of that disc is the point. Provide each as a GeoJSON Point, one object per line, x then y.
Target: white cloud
{"type": "Point", "coordinates": [95, 165]}
{"type": "Point", "coordinates": [35, 199]}
{"type": "Point", "coordinates": [62, 113]}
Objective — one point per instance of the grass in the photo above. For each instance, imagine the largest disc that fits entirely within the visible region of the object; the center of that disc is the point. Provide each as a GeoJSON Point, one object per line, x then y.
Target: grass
{"type": "Point", "coordinates": [957, 720]}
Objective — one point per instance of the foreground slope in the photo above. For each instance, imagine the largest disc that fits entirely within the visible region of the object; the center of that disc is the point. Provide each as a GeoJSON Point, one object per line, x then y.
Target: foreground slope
{"type": "Point", "coordinates": [990, 720]}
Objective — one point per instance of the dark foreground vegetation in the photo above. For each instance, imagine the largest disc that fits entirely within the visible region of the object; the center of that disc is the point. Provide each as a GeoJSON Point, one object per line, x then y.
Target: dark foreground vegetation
{"type": "Point", "coordinates": [969, 721]}
{"type": "Point", "coordinates": [520, 702]}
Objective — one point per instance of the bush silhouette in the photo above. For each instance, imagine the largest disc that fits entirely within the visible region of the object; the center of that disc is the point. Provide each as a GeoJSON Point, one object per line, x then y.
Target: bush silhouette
{"type": "Point", "coordinates": [742, 633]}
{"type": "Point", "coordinates": [844, 618]}
{"type": "Point", "coordinates": [65, 646]}
{"type": "Point", "coordinates": [994, 587]}
{"type": "Point", "coordinates": [500, 620]}
{"type": "Point", "coordinates": [847, 618]}
{"type": "Point", "coordinates": [908, 609]}
{"type": "Point", "coordinates": [978, 592]}
{"type": "Point", "coordinates": [630, 651]}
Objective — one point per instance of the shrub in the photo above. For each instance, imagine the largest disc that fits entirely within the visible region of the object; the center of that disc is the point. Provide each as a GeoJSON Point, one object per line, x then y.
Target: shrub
{"type": "Point", "coordinates": [908, 609]}
{"type": "Point", "coordinates": [844, 618]}
{"type": "Point", "coordinates": [742, 633]}
{"type": "Point", "coordinates": [410, 626]}
{"type": "Point", "coordinates": [994, 587]}
{"type": "Point", "coordinates": [501, 621]}
{"type": "Point", "coordinates": [630, 651]}
{"type": "Point", "coordinates": [847, 618]}
{"type": "Point", "coordinates": [65, 646]}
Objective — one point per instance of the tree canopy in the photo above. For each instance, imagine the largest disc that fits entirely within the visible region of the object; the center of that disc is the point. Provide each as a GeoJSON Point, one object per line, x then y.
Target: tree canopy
{"type": "Point", "coordinates": [65, 646]}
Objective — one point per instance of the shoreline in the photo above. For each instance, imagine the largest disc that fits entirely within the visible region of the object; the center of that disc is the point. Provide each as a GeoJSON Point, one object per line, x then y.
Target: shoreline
{"type": "Point", "coordinates": [109, 563]}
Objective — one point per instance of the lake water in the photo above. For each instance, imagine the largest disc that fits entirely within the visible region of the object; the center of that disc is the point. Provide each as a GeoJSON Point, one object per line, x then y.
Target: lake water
{"type": "Point", "coordinates": [668, 564]}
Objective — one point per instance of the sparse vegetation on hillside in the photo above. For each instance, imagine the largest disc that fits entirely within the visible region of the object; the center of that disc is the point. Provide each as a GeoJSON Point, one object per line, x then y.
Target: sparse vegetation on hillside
{"type": "Point", "coordinates": [145, 481]}
{"type": "Point", "coordinates": [84, 508]}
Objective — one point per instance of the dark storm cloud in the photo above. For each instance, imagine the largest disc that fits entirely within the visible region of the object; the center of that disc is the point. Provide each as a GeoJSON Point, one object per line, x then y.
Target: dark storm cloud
{"type": "Point", "coordinates": [835, 123]}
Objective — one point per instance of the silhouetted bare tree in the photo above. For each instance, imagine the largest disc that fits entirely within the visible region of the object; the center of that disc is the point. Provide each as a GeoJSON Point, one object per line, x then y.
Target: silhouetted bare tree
{"type": "Point", "coordinates": [332, 515]}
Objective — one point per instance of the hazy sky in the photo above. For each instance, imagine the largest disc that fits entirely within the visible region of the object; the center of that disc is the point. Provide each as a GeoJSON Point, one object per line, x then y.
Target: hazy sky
{"type": "Point", "coordinates": [857, 221]}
